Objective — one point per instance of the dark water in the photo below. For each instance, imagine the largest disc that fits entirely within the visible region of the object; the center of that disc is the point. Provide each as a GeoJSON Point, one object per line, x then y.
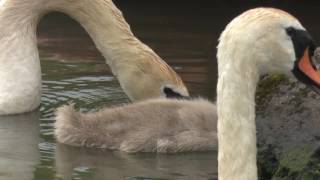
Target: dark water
{"type": "Point", "coordinates": [183, 33]}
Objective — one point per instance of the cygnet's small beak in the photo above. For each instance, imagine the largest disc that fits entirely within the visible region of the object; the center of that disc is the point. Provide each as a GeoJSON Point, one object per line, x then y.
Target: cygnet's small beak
{"type": "Point", "coordinates": [310, 70]}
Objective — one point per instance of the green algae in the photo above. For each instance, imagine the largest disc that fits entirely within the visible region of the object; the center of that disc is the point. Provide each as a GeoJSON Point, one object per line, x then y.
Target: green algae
{"type": "Point", "coordinates": [267, 162]}
{"type": "Point", "coordinates": [266, 87]}
{"type": "Point", "coordinates": [300, 163]}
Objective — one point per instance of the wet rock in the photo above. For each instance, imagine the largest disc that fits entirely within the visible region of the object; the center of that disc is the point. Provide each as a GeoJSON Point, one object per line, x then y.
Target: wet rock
{"type": "Point", "coordinates": [299, 163]}
{"type": "Point", "coordinates": [288, 130]}
{"type": "Point", "coordinates": [316, 58]}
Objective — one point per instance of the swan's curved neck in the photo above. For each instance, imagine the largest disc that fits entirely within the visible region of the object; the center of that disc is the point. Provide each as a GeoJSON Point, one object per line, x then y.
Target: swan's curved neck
{"type": "Point", "coordinates": [236, 124]}
{"type": "Point", "coordinates": [20, 74]}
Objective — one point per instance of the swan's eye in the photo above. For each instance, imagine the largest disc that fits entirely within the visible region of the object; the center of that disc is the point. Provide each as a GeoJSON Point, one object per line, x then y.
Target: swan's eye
{"type": "Point", "coordinates": [290, 31]}
{"type": "Point", "coordinates": [170, 93]}
{"type": "Point", "coordinates": [301, 39]}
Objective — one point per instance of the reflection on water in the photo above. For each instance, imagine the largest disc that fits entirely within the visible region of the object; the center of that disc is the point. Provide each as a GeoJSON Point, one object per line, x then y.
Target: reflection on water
{"type": "Point", "coordinates": [79, 82]}
{"type": "Point", "coordinates": [72, 162]}
{"type": "Point", "coordinates": [19, 139]}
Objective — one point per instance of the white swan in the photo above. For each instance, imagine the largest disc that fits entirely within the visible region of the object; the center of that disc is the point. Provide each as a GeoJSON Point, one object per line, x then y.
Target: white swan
{"type": "Point", "coordinates": [259, 41]}
{"type": "Point", "coordinates": [155, 125]}
{"type": "Point", "coordinates": [135, 64]}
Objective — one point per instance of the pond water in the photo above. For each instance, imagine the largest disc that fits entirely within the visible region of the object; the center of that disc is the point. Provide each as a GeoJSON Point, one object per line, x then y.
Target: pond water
{"type": "Point", "coordinates": [184, 34]}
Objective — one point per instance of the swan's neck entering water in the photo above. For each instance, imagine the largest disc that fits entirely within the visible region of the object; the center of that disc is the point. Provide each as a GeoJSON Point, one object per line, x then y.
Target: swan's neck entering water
{"type": "Point", "coordinates": [20, 76]}
{"type": "Point", "coordinates": [109, 31]}
{"type": "Point", "coordinates": [236, 125]}
{"type": "Point", "coordinates": [135, 64]}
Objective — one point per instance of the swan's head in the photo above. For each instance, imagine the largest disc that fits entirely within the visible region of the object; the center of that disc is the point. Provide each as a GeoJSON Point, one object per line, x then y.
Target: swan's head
{"type": "Point", "coordinates": [142, 85]}
{"type": "Point", "coordinates": [271, 40]}
{"type": "Point", "coordinates": [175, 92]}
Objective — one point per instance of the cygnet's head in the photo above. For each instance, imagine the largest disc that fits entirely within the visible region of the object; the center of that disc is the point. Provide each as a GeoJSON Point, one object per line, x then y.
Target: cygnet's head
{"type": "Point", "coordinates": [271, 40]}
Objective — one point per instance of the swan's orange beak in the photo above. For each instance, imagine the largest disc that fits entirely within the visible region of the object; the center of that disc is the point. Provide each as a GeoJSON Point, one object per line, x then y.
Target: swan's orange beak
{"type": "Point", "coordinates": [306, 67]}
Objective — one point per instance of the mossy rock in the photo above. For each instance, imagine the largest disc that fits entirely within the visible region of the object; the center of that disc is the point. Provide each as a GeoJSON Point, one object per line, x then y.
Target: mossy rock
{"type": "Point", "coordinates": [267, 162]}
{"type": "Point", "coordinates": [301, 163]}
{"type": "Point", "coordinates": [288, 123]}
{"type": "Point", "coordinates": [266, 87]}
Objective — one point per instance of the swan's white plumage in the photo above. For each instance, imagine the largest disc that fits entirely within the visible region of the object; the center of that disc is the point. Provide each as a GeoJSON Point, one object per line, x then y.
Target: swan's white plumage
{"type": "Point", "coordinates": [20, 76]}
{"type": "Point", "coordinates": [156, 125]}
{"type": "Point", "coordinates": [135, 64]}
{"type": "Point", "coordinates": [252, 44]}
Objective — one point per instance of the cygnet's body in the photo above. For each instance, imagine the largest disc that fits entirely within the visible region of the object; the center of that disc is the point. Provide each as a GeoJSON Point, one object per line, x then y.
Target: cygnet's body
{"type": "Point", "coordinates": [157, 125]}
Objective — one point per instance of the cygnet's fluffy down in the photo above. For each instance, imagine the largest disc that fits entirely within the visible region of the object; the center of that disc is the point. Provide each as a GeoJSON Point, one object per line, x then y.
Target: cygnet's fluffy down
{"type": "Point", "coordinates": [156, 125]}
